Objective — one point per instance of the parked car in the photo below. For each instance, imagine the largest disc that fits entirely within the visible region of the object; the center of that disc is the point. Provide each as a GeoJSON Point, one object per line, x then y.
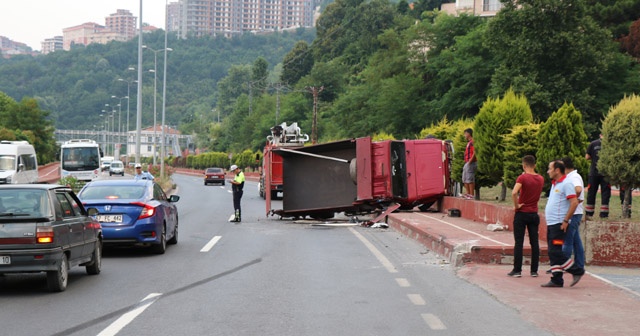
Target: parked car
{"type": "Point", "coordinates": [133, 212]}
{"type": "Point", "coordinates": [116, 168]}
{"type": "Point", "coordinates": [45, 228]}
{"type": "Point", "coordinates": [214, 175]}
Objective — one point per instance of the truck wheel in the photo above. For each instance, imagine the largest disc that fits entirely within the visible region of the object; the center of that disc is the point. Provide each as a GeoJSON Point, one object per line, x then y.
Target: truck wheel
{"type": "Point", "coordinates": [57, 280]}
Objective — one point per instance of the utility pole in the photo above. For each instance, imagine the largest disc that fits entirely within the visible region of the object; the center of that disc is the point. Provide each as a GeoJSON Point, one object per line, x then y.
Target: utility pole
{"type": "Point", "coordinates": [314, 128]}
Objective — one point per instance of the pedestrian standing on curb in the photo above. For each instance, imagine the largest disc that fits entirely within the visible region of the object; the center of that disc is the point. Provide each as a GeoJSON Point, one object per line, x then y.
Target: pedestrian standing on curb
{"type": "Point", "coordinates": [561, 205]}
{"type": "Point", "coordinates": [470, 164]}
{"type": "Point", "coordinates": [596, 180]}
{"type": "Point", "coordinates": [237, 184]}
{"type": "Point", "coordinates": [572, 242]}
{"type": "Point", "coordinates": [525, 195]}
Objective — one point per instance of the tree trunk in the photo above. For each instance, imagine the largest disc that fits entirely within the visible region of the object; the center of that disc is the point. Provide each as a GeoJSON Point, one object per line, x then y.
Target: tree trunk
{"type": "Point", "coordinates": [503, 192]}
{"type": "Point", "coordinates": [626, 207]}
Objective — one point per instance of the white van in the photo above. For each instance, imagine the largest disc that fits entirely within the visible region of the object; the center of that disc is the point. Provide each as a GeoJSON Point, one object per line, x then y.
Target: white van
{"type": "Point", "coordinates": [18, 162]}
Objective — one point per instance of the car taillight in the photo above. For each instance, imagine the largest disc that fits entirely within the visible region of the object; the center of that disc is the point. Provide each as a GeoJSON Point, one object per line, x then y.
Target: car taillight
{"type": "Point", "coordinates": [147, 210]}
{"type": "Point", "coordinates": [44, 235]}
{"type": "Point", "coordinates": [94, 225]}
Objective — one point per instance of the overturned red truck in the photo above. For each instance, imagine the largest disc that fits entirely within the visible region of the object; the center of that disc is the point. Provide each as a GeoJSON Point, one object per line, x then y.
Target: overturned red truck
{"type": "Point", "coordinates": [359, 176]}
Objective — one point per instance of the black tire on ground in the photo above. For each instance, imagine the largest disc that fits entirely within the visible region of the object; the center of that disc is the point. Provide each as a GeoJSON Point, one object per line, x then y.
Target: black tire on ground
{"type": "Point", "coordinates": [274, 194]}
{"type": "Point", "coordinates": [95, 266]}
{"type": "Point", "coordinates": [57, 280]}
{"type": "Point", "coordinates": [174, 239]}
{"type": "Point", "coordinates": [162, 247]}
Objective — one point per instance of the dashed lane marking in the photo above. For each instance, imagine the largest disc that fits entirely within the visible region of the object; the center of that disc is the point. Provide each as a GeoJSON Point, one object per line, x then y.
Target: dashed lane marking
{"type": "Point", "coordinates": [381, 258]}
{"type": "Point", "coordinates": [416, 299]}
{"type": "Point", "coordinates": [210, 244]}
{"type": "Point", "coordinates": [125, 319]}
{"type": "Point", "coordinates": [433, 322]}
{"type": "Point", "coordinates": [403, 282]}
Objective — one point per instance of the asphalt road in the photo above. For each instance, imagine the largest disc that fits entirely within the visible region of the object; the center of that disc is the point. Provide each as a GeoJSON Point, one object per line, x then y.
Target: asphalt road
{"type": "Point", "coordinates": [263, 276]}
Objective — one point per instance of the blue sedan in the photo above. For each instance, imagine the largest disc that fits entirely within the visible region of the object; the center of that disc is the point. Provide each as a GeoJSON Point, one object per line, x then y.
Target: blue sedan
{"type": "Point", "coordinates": [133, 212]}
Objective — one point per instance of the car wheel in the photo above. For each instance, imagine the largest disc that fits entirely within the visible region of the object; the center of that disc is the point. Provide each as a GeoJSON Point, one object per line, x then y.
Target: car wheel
{"type": "Point", "coordinates": [110, 174]}
{"type": "Point", "coordinates": [162, 247]}
{"type": "Point", "coordinates": [174, 239]}
{"type": "Point", "coordinates": [425, 207]}
{"type": "Point", "coordinates": [96, 261]}
{"type": "Point", "coordinates": [57, 280]}
{"type": "Point", "coordinates": [222, 182]}
{"type": "Point", "coordinates": [205, 183]}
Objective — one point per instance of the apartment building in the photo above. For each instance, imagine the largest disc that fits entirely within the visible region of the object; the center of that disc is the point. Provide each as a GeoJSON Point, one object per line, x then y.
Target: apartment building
{"type": "Point", "coordinates": [475, 7]}
{"type": "Point", "coordinates": [51, 44]}
{"type": "Point", "coordinates": [123, 23]}
{"type": "Point", "coordinates": [211, 17]}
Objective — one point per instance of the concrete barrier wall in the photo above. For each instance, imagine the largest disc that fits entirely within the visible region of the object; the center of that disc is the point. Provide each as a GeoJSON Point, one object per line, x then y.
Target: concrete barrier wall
{"type": "Point", "coordinates": [606, 243]}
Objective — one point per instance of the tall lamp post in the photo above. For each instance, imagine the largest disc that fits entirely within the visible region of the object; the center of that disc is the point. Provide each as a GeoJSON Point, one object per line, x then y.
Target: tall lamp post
{"type": "Point", "coordinates": [155, 78]}
{"type": "Point", "coordinates": [120, 117]}
{"type": "Point", "coordinates": [164, 87]}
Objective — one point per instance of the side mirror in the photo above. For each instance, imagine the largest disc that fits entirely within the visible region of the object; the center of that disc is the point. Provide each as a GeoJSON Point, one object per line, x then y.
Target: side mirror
{"type": "Point", "coordinates": [92, 211]}
{"type": "Point", "coordinates": [20, 167]}
{"type": "Point", "coordinates": [174, 198]}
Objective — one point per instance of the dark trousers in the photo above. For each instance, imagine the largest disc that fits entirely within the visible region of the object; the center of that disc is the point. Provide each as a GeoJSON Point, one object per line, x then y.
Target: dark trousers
{"type": "Point", "coordinates": [596, 182]}
{"type": "Point", "coordinates": [237, 196]}
{"type": "Point", "coordinates": [559, 261]}
{"type": "Point", "coordinates": [528, 221]}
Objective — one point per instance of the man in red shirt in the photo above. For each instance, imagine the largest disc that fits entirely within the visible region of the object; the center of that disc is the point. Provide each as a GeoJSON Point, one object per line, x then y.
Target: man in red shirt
{"type": "Point", "coordinates": [469, 169]}
{"type": "Point", "coordinates": [526, 194]}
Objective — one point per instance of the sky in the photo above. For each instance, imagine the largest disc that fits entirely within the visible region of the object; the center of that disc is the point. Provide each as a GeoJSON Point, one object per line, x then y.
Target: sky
{"type": "Point", "coordinates": [33, 21]}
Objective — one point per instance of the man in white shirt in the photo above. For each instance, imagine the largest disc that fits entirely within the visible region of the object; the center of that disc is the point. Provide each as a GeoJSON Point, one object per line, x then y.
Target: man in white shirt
{"type": "Point", "coordinates": [572, 241]}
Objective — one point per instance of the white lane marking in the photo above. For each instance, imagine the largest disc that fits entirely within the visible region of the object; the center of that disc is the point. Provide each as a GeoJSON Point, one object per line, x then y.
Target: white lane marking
{"type": "Point", "coordinates": [125, 319]}
{"type": "Point", "coordinates": [433, 322]}
{"type": "Point", "coordinates": [381, 258]}
{"type": "Point", "coordinates": [463, 229]}
{"type": "Point", "coordinates": [416, 299]}
{"type": "Point", "coordinates": [210, 244]}
{"type": "Point", "coordinates": [402, 282]}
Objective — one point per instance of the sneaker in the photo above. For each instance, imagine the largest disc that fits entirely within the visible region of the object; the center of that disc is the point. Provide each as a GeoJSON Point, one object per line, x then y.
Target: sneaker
{"type": "Point", "coordinates": [469, 197]}
{"type": "Point", "coordinates": [514, 274]}
{"type": "Point", "coordinates": [534, 274]}
{"type": "Point", "coordinates": [551, 284]}
{"type": "Point", "coordinates": [576, 279]}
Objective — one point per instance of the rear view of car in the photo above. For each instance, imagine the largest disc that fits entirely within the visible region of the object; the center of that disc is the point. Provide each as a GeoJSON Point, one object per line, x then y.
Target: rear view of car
{"type": "Point", "coordinates": [45, 228]}
{"type": "Point", "coordinates": [133, 212]}
{"type": "Point", "coordinates": [214, 175]}
{"type": "Point", "coordinates": [116, 168]}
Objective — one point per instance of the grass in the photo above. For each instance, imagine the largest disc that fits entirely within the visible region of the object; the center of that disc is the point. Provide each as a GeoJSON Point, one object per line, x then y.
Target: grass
{"type": "Point", "coordinates": [615, 208]}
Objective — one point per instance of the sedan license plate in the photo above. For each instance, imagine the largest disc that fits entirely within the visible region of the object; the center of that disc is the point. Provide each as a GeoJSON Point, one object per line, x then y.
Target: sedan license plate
{"type": "Point", "coordinates": [109, 218]}
{"type": "Point", "coordinates": [5, 260]}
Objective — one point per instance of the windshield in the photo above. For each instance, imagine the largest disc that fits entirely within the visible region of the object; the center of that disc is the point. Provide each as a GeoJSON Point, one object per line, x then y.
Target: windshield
{"type": "Point", "coordinates": [24, 202]}
{"type": "Point", "coordinates": [7, 162]}
{"type": "Point", "coordinates": [80, 158]}
{"type": "Point", "coordinates": [116, 164]}
{"type": "Point", "coordinates": [112, 192]}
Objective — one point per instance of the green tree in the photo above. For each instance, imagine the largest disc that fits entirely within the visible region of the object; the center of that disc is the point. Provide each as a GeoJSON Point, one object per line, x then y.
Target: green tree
{"type": "Point", "coordinates": [562, 135]}
{"type": "Point", "coordinates": [496, 119]}
{"type": "Point", "coordinates": [297, 63]}
{"type": "Point", "coordinates": [620, 155]}
{"type": "Point", "coordinates": [259, 74]}
{"type": "Point", "coordinates": [521, 141]}
{"type": "Point", "coordinates": [553, 51]}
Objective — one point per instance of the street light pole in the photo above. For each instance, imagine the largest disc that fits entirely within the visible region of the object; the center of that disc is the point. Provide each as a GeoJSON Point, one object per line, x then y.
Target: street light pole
{"type": "Point", "coordinates": [164, 88]}
{"type": "Point", "coordinates": [139, 100]}
{"type": "Point", "coordinates": [120, 119]}
{"type": "Point", "coordinates": [155, 77]}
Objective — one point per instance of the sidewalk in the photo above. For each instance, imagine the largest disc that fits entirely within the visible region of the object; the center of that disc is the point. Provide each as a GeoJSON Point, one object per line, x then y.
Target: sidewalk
{"type": "Point", "coordinates": [595, 306]}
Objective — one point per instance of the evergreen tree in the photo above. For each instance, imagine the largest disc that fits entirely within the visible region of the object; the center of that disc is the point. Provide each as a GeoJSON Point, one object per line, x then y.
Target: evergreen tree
{"type": "Point", "coordinates": [620, 155]}
{"type": "Point", "coordinates": [562, 135]}
{"type": "Point", "coordinates": [496, 119]}
{"type": "Point", "coordinates": [521, 141]}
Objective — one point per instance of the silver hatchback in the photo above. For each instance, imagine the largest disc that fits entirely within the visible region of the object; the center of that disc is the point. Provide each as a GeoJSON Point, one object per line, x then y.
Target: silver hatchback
{"type": "Point", "coordinates": [116, 168]}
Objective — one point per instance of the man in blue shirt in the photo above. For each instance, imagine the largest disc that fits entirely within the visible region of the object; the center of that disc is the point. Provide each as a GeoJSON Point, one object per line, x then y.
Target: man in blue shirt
{"type": "Point", "coordinates": [142, 175]}
{"type": "Point", "coordinates": [561, 205]}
